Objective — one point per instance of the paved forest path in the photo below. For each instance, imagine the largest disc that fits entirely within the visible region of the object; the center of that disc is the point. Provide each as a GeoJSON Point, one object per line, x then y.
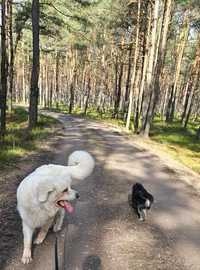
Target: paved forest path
{"type": "Point", "coordinates": [104, 233]}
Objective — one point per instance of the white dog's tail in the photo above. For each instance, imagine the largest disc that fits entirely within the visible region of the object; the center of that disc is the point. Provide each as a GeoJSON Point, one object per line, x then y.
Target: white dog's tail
{"type": "Point", "coordinates": [81, 164]}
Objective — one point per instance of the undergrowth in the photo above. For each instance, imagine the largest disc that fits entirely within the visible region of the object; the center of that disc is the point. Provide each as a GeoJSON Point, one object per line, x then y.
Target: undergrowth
{"type": "Point", "coordinates": [18, 140]}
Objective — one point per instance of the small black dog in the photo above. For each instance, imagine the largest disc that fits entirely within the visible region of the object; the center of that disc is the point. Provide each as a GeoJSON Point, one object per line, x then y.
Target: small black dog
{"type": "Point", "coordinates": [141, 200]}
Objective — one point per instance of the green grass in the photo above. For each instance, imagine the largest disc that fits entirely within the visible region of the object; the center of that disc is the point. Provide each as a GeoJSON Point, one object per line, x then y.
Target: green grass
{"type": "Point", "coordinates": [106, 117]}
{"type": "Point", "coordinates": [92, 114]}
{"type": "Point", "coordinates": [182, 144]}
{"type": "Point", "coordinates": [18, 140]}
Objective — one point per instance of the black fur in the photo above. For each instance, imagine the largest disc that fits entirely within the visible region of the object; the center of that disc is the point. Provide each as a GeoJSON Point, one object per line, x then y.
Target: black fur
{"type": "Point", "coordinates": [141, 200]}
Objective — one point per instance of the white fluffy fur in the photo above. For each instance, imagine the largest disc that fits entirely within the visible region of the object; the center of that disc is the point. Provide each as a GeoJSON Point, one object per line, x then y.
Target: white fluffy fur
{"type": "Point", "coordinates": [38, 192]}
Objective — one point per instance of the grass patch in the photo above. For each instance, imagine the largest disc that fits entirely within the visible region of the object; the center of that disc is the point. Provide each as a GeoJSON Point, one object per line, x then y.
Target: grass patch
{"type": "Point", "coordinates": [182, 144]}
{"type": "Point", "coordinates": [92, 114]}
{"type": "Point", "coordinates": [106, 117]}
{"type": "Point", "coordinates": [18, 140]}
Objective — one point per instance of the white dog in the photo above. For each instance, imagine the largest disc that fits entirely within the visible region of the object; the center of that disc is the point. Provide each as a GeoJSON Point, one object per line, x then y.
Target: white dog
{"type": "Point", "coordinates": [44, 195]}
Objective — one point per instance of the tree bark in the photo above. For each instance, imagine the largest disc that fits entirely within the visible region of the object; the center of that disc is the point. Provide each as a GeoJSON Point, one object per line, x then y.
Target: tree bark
{"type": "Point", "coordinates": [88, 95]}
{"type": "Point", "coordinates": [180, 50]}
{"type": "Point", "coordinates": [198, 133]}
{"type": "Point", "coordinates": [4, 68]}
{"type": "Point", "coordinates": [193, 86]}
{"type": "Point", "coordinates": [57, 78]}
{"type": "Point", "coordinates": [119, 91]}
{"type": "Point", "coordinates": [72, 94]}
{"type": "Point", "coordinates": [34, 91]}
{"type": "Point", "coordinates": [156, 79]}
{"type": "Point", "coordinates": [146, 121]}
{"type": "Point", "coordinates": [128, 81]}
{"type": "Point", "coordinates": [145, 50]}
{"type": "Point", "coordinates": [11, 58]}
{"type": "Point", "coordinates": [134, 67]}
{"type": "Point", "coordinates": [116, 86]}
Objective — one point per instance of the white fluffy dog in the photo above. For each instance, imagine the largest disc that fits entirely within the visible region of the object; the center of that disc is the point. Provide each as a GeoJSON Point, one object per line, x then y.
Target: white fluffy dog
{"type": "Point", "coordinates": [44, 195]}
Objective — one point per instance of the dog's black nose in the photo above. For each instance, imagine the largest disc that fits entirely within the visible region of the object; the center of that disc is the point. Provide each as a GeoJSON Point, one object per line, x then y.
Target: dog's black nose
{"type": "Point", "coordinates": [77, 196]}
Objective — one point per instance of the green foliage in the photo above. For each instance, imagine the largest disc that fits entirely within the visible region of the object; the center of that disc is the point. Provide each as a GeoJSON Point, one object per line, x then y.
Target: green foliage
{"type": "Point", "coordinates": [86, 3]}
{"type": "Point", "coordinates": [183, 2]}
{"type": "Point", "coordinates": [50, 24]}
{"type": "Point", "coordinates": [22, 14]}
{"type": "Point", "coordinates": [74, 22]}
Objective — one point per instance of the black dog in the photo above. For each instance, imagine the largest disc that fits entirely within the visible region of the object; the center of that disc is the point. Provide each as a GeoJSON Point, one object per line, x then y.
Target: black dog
{"type": "Point", "coordinates": [141, 200]}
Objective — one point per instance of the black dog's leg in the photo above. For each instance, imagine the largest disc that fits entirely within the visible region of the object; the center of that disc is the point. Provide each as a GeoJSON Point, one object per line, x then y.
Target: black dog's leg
{"type": "Point", "coordinates": [141, 213]}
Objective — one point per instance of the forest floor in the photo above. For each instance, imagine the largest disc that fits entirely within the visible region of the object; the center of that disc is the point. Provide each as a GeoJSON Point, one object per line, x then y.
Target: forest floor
{"type": "Point", "coordinates": [19, 141]}
{"type": "Point", "coordinates": [104, 233]}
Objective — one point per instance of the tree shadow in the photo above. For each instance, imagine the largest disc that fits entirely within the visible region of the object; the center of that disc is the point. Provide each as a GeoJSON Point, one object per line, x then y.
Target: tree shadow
{"type": "Point", "coordinates": [92, 262]}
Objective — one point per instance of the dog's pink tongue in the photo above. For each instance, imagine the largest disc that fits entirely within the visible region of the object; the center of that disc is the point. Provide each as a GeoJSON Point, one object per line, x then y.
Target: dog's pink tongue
{"type": "Point", "coordinates": [68, 207]}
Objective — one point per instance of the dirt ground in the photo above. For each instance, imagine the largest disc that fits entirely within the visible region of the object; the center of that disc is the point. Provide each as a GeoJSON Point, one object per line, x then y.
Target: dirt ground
{"type": "Point", "coordinates": [10, 177]}
{"type": "Point", "coordinates": [104, 233]}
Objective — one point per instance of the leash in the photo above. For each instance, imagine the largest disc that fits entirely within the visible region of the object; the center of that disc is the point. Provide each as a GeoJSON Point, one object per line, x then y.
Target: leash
{"type": "Point", "coordinates": [56, 257]}
{"type": "Point", "coordinates": [56, 254]}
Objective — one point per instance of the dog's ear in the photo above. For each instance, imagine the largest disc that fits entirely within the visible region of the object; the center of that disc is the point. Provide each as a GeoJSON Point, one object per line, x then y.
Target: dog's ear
{"type": "Point", "coordinates": [43, 192]}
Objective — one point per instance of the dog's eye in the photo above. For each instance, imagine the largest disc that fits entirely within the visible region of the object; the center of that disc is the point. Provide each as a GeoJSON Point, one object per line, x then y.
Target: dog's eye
{"type": "Point", "coordinates": [65, 190]}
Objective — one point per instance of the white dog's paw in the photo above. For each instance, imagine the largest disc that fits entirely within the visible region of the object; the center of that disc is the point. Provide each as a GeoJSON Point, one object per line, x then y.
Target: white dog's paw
{"type": "Point", "coordinates": [26, 258]}
{"type": "Point", "coordinates": [57, 228]}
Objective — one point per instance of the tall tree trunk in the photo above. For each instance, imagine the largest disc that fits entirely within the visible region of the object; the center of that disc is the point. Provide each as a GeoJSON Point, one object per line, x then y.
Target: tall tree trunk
{"type": "Point", "coordinates": [186, 100]}
{"type": "Point", "coordinates": [128, 80]}
{"type": "Point", "coordinates": [180, 50]}
{"type": "Point", "coordinates": [34, 91]}
{"type": "Point", "coordinates": [11, 58]}
{"type": "Point", "coordinates": [57, 78]}
{"type": "Point", "coordinates": [116, 86]}
{"type": "Point", "coordinates": [51, 94]}
{"type": "Point", "coordinates": [88, 95]}
{"type": "Point", "coordinates": [145, 50]}
{"type": "Point", "coordinates": [146, 121]}
{"type": "Point", "coordinates": [23, 83]}
{"type": "Point", "coordinates": [72, 93]}
{"type": "Point", "coordinates": [4, 68]}
{"type": "Point", "coordinates": [137, 94]}
{"type": "Point", "coordinates": [134, 66]}
{"type": "Point", "coordinates": [46, 82]}
{"type": "Point", "coordinates": [194, 82]}
{"type": "Point", "coordinates": [163, 104]}
{"type": "Point", "coordinates": [119, 91]}
{"type": "Point", "coordinates": [198, 133]}
{"type": "Point", "coordinates": [162, 46]}
{"type": "Point", "coordinates": [155, 83]}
